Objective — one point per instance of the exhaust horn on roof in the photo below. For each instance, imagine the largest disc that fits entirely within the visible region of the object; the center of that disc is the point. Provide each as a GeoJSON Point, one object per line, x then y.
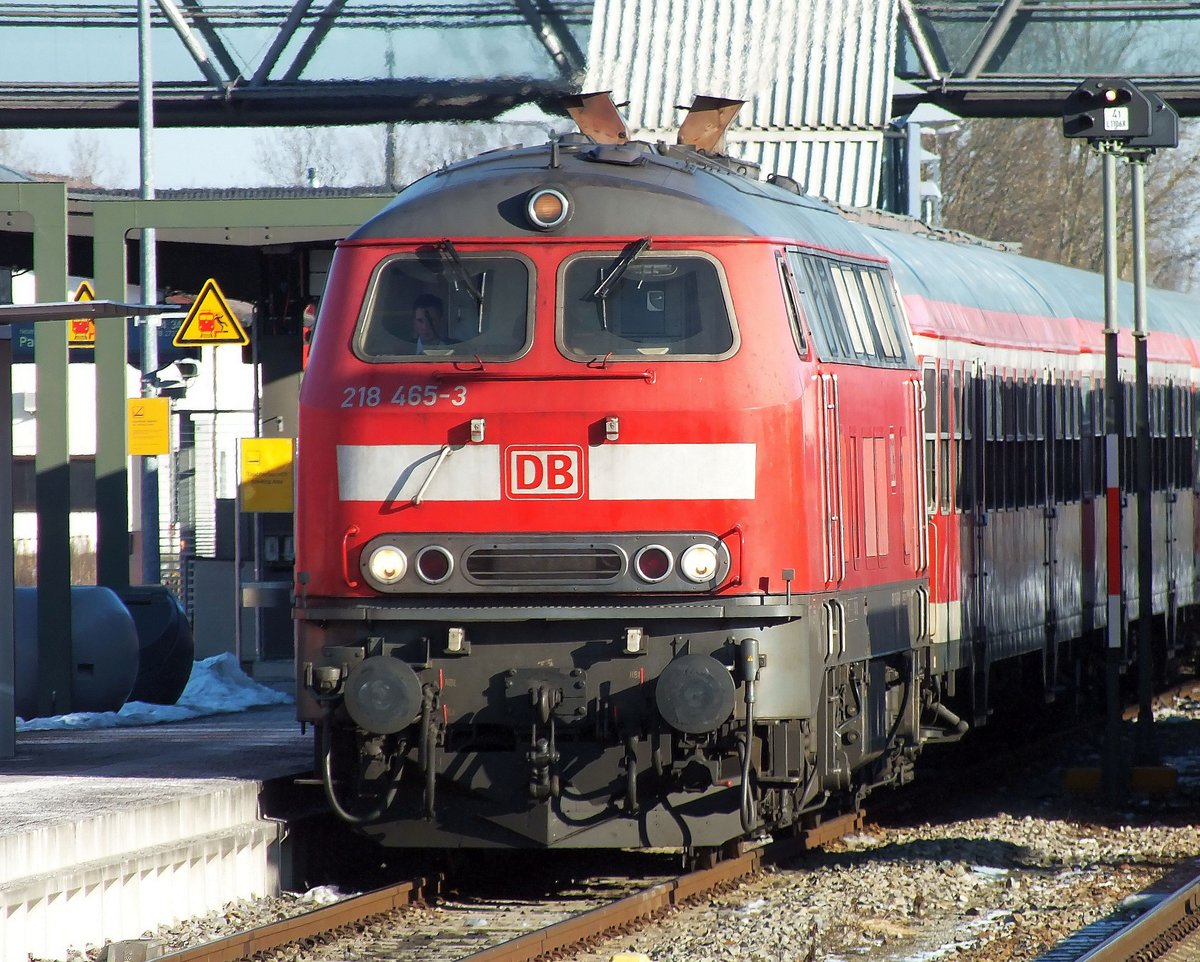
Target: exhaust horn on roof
{"type": "Point", "coordinates": [596, 115]}
{"type": "Point", "coordinates": [707, 120]}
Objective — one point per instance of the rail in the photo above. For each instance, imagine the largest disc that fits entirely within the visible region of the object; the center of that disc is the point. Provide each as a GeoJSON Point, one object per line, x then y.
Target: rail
{"type": "Point", "coordinates": [1147, 936]}
{"type": "Point", "coordinates": [649, 904]}
{"type": "Point", "coordinates": [310, 924]}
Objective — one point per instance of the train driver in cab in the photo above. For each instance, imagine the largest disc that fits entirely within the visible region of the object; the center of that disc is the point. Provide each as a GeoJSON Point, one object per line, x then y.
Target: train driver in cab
{"type": "Point", "coordinates": [429, 323]}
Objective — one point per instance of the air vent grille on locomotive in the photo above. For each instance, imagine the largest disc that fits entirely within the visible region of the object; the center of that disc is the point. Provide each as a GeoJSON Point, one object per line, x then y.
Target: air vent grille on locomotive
{"type": "Point", "coordinates": [545, 564]}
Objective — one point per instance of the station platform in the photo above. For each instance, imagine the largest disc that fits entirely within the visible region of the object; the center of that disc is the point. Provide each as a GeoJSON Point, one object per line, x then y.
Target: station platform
{"type": "Point", "coordinates": [108, 832]}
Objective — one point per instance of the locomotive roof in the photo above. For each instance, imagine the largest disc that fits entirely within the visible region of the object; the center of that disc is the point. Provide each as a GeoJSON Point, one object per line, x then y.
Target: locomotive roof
{"type": "Point", "coordinates": [623, 190]}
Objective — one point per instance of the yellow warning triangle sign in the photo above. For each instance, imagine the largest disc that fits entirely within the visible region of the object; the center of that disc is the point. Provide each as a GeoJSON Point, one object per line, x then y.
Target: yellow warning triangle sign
{"type": "Point", "coordinates": [210, 321]}
{"type": "Point", "coordinates": [81, 331]}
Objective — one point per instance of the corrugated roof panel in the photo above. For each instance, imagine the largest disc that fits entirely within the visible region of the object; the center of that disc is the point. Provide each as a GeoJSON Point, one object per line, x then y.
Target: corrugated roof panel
{"type": "Point", "coordinates": [812, 73]}
{"type": "Point", "coordinates": [844, 169]}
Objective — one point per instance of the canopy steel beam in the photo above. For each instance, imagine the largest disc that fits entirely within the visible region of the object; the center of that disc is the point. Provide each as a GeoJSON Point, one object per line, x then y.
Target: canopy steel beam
{"type": "Point", "coordinates": [303, 70]}
{"type": "Point", "coordinates": [32, 106]}
{"type": "Point", "coordinates": [1022, 58]}
{"type": "Point", "coordinates": [213, 39]}
{"type": "Point", "coordinates": [198, 53]}
{"type": "Point", "coordinates": [1032, 96]}
{"type": "Point", "coordinates": [553, 35]}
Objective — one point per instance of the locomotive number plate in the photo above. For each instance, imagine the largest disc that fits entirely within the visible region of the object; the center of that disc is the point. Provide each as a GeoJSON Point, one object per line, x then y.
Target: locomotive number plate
{"type": "Point", "coordinates": [406, 395]}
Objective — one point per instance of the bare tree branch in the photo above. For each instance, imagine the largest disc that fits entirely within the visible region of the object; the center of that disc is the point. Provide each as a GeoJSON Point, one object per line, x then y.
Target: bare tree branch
{"type": "Point", "coordinates": [1021, 180]}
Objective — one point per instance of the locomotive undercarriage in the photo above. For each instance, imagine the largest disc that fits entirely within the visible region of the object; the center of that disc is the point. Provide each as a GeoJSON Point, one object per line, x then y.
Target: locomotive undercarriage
{"type": "Point", "coordinates": [592, 733]}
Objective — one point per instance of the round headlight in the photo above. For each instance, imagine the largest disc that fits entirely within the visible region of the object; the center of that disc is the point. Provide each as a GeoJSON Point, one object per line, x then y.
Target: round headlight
{"type": "Point", "coordinates": [699, 563]}
{"type": "Point", "coordinates": [434, 564]}
{"type": "Point", "coordinates": [653, 563]}
{"type": "Point", "coordinates": [547, 208]}
{"type": "Point", "coordinates": [387, 564]}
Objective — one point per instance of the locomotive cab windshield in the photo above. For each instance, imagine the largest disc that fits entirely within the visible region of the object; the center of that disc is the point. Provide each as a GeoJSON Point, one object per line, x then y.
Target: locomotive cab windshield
{"type": "Point", "coordinates": [428, 306]}
{"type": "Point", "coordinates": [673, 305]}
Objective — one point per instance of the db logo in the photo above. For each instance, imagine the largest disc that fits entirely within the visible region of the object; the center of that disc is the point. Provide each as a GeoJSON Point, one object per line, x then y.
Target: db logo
{"type": "Point", "coordinates": [545, 472]}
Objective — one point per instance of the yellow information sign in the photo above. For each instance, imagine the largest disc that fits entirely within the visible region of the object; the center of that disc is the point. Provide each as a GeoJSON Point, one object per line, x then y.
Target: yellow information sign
{"type": "Point", "coordinates": [149, 420]}
{"type": "Point", "coordinates": [81, 331]}
{"type": "Point", "coordinates": [267, 474]}
{"type": "Point", "coordinates": [210, 321]}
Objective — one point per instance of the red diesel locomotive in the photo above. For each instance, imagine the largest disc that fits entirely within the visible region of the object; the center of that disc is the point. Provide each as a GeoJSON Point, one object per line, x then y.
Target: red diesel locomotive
{"type": "Point", "coordinates": [646, 503]}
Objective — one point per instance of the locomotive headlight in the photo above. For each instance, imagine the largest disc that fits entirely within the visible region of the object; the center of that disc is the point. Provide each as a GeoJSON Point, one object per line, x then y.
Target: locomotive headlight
{"type": "Point", "coordinates": [387, 564]}
{"type": "Point", "coordinates": [547, 208]}
{"type": "Point", "coordinates": [699, 563]}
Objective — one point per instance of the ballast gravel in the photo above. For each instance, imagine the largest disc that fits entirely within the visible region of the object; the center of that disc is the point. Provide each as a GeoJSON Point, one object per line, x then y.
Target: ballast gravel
{"type": "Point", "coordinates": [988, 874]}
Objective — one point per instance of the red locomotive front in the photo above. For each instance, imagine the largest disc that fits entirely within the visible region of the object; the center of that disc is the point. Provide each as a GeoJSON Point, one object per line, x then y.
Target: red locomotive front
{"type": "Point", "coordinates": [583, 532]}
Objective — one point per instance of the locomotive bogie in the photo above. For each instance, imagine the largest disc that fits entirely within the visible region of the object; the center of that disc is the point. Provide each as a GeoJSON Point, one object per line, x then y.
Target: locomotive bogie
{"type": "Point", "coordinates": [535, 716]}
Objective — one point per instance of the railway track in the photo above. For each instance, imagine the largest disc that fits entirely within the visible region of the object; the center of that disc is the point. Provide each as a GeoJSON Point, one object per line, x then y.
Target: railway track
{"type": "Point", "coordinates": [586, 915]}
{"type": "Point", "coordinates": [312, 933]}
{"type": "Point", "coordinates": [1164, 918]}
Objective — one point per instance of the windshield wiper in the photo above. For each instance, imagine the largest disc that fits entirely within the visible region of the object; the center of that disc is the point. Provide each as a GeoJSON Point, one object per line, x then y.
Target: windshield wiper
{"type": "Point", "coordinates": [620, 266]}
{"type": "Point", "coordinates": [450, 255]}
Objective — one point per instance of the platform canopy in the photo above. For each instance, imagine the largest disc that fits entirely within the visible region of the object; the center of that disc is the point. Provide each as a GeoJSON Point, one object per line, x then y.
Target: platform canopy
{"type": "Point", "coordinates": [235, 62]}
{"type": "Point", "coordinates": [1021, 58]}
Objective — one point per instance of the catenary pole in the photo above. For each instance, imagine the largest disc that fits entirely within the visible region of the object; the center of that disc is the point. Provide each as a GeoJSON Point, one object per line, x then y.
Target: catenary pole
{"type": "Point", "coordinates": [1112, 475]}
{"type": "Point", "coordinates": [1144, 739]}
{"type": "Point", "coordinates": [151, 562]}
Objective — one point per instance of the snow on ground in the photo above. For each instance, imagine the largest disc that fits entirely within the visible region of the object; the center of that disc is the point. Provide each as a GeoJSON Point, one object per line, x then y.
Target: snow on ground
{"type": "Point", "coordinates": [217, 686]}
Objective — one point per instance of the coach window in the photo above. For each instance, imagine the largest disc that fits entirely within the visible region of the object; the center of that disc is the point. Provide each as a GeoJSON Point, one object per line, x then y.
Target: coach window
{"type": "Point", "coordinates": [988, 468]}
{"type": "Point", "coordinates": [965, 497]}
{"type": "Point", "coordinates": [1021, 467]}
{"type": "Point", "coordinates": [1014, 482]}
{"type": "Point", "coordinates": [944, 419]}
{"type": "Point", "coordinates": [1194, 461]}
{"type": "Point", "coordinates": [1186, 473]}
{"type": "Point", "coordinates": [1077, 440]}
{"type": "Point", "coordinates": [1038, 434]}
{"type": "Point", "coordinates": [442, 303]}
{"type": "Point", "coordinates": [1056, 441]}
{"type": "Point", "coordinates": [1158, 459]}
{"type": "Point", "coordinates": [1181, 440]}
{"type": "Point", "coordinates": [630, 305]}
{"type": "Point", "coordinates": [1128, 462]}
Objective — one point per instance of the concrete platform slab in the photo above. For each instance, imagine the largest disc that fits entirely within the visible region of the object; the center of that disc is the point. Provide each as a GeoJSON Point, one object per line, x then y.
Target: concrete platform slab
{"type": "Point", "coordinates": [106, 833]}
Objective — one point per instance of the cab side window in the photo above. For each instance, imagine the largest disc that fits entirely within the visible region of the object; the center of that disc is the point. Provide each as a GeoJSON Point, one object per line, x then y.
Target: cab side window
{"type": "Point", "coordinates": [852, 311]}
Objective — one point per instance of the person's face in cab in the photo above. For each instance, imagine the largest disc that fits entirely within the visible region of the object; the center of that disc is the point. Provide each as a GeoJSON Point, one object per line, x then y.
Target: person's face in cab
{"type": "Point", "coordinates": [425, 321]}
